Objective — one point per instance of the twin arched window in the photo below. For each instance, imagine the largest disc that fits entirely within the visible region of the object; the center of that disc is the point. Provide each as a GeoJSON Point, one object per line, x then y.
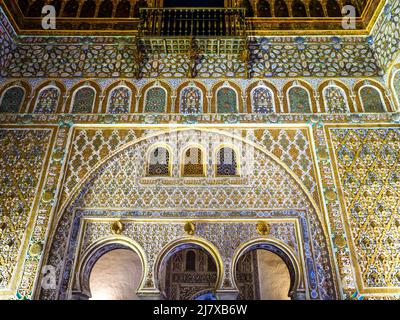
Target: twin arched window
{"type": "Point", "coordinates": [226, 162]}
{"type": "Point", "coordinates": [193, 162]}
{"type": "Point", "coordinates": [159, 162]}
{"type": "Point", "coordinates": [12, 99]}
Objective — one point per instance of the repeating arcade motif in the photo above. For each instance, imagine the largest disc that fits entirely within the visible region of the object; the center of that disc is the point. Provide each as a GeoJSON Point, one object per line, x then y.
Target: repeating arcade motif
{"type": "Point", "coordinates": [191, 100]}
{"type": "Point", "coordinates": [371, 99]}
{"type": "Point", "coordinates": [299, 100]}
{"type": "Point", "coordinates": [396, 85]}
{"type": "Point", "coordinates": [47, 100]}
{"type": "Point", "coordinates": [84, 100]}
{"type": "Point", "coordinates": [227, 100]}
{"type": "Point", "coordinates": [12, 99]}
{"type": "Point", "coordinates": [120, 100]}
{"type": "Point", "coordinates": [335, 100]}
{"type": "Point", "coordinates": [155, 100]}
{"type": "Point", "coordinates": [262, 100]}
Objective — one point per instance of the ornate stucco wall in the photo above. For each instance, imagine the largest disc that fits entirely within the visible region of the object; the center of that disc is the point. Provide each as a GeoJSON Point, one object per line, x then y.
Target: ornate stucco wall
{"type": "Point", "coordinates": [326, 184]}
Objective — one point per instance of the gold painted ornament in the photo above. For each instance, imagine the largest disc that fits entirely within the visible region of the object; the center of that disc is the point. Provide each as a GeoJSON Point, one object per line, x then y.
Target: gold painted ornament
{"type": "Point", "coordinates": [189, 228]}
{"type": "Point", "coordinates": [117, 227]}
{"type": "Point", "coordinates": [339, 241]}
{"type": "Point", "coordinates": [47, 196]}
{"type": "Point", "coordinates": [322, 154]}
{"type": "Point", "coordinates": [263, 228]}
{"type": "Point", "coordinates": [330, 195]}
{"type": "Point", "coordinates": [35, 249]}
{"type": "Point", "coordinates": [58, 155]}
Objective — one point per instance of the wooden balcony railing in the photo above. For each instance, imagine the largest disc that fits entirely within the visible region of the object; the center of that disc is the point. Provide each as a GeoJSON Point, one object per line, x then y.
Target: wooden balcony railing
{"type": "Point", "coordinates": [196, 22]}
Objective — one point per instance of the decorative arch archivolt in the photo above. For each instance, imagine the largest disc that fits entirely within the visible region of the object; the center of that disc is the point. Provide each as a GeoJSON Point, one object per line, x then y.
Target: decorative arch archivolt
{"type": "Point", "coordinates": [94, 196]}
{"type": "Point", "coordinates": [84, 83]}
{"type": "Point", "coordinates": [284, 251]}
{"type": "Point", "coordinates": [114, 85]}
{"type": "Point", "coordinates": [89, 257]}
{"type": "Point", "coordinates": [334, 83]}
{"type": "Point", "coordinates": [186, 243]}
{"type": "Point", "coordinates": [50, 83]}
{"type": "Point", "coordinates": [24, 85]}
{"type": "Point", "coordinates": [298, 83]}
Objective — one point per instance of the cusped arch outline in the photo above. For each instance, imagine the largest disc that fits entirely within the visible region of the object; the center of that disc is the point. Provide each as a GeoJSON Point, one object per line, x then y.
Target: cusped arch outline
{"type": "Point", "coordinates": [297, 276]}
{"type": "Point", "coordinates": [102, 246]}
{"type": "Point", "coordinates": [188, 242]}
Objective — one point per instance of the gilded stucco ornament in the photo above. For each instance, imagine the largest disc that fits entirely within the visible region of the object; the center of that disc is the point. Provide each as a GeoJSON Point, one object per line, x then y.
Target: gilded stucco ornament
{"type": "Point", "coordinates": [58, 155]}
{"type": "Point", "coordinates": [35, 249]}
{"type": "Point", "coordinates": [117, 227]}
{"type": "Point", "coordinates": [340, 241]}
{"type": "Point", "coordinates": [189, 228]}
{"type": "Point", "coordinates": [330, 195]}
{"type": "Point", "coordinates": [263, 228]}
{"type": "Point", "coordinates": [48, 196]}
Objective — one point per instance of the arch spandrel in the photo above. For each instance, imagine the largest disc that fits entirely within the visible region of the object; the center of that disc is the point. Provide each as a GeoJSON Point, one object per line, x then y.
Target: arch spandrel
{"type": "Point", "coordinates": [271, 185]}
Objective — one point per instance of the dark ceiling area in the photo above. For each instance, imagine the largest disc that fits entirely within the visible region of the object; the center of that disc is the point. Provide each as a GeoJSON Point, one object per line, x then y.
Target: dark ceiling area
{"type": "Point", "coordinates": [124, 15]}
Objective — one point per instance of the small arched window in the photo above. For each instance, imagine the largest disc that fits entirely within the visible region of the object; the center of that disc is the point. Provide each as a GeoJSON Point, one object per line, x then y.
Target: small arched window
{"type": "Point", "coordinates": [159, 162]}
{"type": "Point", "coordinates": [84, 100]}
{"type": "Point", "coordinates": [193, 163]}
{"type": "Point", "coordinates": [299, 100]}
{"type": "Point", "coordinates": [190, 261]}
{"type": "Point", "coordinates": [226, 100]}
{"type": "Point", "coordinates": [47, 100]}
{"type": "Point", "coordinates": [11, 100]}
{"type": "Point", "coordinates": [226, 162]}
{"type": "Point", "coordinates": [335, 100]}
{"type": "Point", "coordinates": [371, 99]}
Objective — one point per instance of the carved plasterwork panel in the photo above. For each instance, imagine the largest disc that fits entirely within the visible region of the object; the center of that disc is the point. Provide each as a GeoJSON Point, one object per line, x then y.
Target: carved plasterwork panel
{"type": "Point", "coordinates": [367, 161]}
{"type": "Point", "coordinates": [23, 160]}
{"type": "Point", "coordinates": [266, 182]}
